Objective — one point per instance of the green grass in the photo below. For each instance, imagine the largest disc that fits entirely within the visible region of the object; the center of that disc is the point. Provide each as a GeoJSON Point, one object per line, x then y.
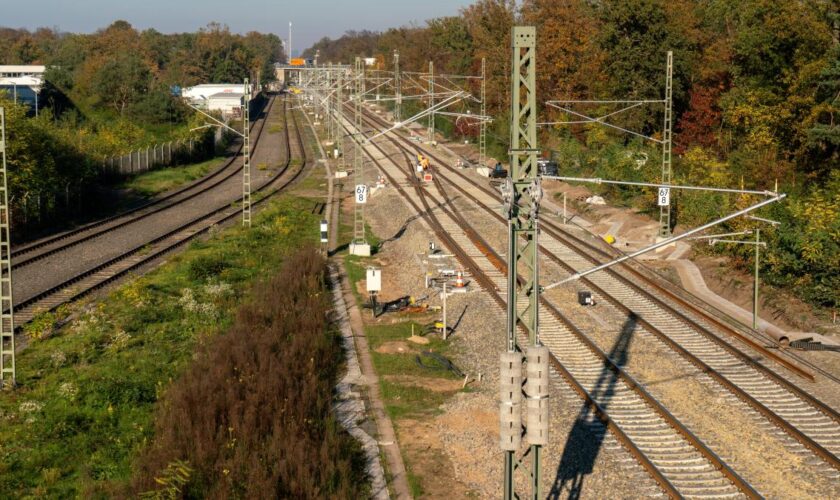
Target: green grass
{"type": "Point", "coordinates": [316, 181]}
{"type": "Point", "coordinates": [164, 179]}
{"type": "Point", "coordinates": [404, 401]}
{"type": "Point", "coordinates": [414, 482]}
{"type": "Point", "coordinates": [83, 408]}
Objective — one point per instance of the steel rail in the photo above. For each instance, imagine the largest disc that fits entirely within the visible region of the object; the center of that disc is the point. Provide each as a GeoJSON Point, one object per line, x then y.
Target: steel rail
{"type": "Point", "coordinates": [157, 203]}
{"type": "Point", "coordinates": [691, 307]}
{"type": "Point", "coordinates": [32, 301]}
{"type": "Point", "coordinates": [652, 402]}
{"type": "Point", "coordinates": [780, 422]}
{"type": "Point", "coordinates": [428, 213]}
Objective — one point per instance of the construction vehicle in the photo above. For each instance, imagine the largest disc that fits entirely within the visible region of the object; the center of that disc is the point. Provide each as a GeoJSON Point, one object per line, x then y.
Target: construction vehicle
{"type": "Point", "coordinates": [498, 172]}
{"type": "Point", "coordinates": [548, 168]}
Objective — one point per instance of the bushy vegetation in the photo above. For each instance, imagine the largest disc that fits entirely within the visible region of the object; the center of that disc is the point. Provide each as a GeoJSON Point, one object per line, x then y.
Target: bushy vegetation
{"type": "Point", "coordinates": [756, 102]}
{"type": "Point", "coordinates": [128, 73]}
{"type": "Point", "coordinates": [108, 93]}
{"type": "Point", "coordinates": [159, 181]}
{"type": "Point", "coordinates": [84, 408]}
{"type": "Point", "coordinates": [252, 415]}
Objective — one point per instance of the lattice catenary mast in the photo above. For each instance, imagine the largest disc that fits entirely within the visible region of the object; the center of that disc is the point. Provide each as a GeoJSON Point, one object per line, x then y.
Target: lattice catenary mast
{"type": "Point", "coordinates": [522, 194]}
{"type": "Point", "coordinates": [482, 137]}
{"type": "Point", "coordinates": [339, 112]}
{"type": "Point", "coordinates": [431, 101]}
{"type": "Point", "coordinates": [7, 320]}
{"type": "Point", "coordinates": [246, 162]}
{"type": "Point", "coordinates": [397, 88]}
{"type": "Point", "coordinates": [665, 210]}
{"type": "Point", "coordinates": [359, 245]}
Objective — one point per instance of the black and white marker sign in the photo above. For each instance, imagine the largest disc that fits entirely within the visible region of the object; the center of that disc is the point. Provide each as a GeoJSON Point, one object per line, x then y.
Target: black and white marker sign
{"type": "Point", "coordinates": [361, 193]}
{"type": "Point", "coordinates": [664, 198]}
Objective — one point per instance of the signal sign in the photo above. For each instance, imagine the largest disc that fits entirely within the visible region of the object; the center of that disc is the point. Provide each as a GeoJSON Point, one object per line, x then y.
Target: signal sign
{"type": "Point", "coordinates": [664, 198]}
{"type": "Point", "coordinates": [361, 193]}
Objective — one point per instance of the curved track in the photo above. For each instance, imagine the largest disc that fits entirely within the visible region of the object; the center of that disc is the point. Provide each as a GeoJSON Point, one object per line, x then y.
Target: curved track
{"type": "Point", "coordinates": [808, 420]}
{"type": "Point", "coordinates": [142, 255]}
{"type": "Point", "coordinates": [681, 464]}
{"type": "Point", "coordinates": [32, 252]}
{"type": "Point", "coordinates": [685, 330]}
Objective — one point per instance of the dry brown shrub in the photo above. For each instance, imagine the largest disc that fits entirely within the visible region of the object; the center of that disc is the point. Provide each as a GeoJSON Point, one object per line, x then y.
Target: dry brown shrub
{"type": "Point", "coordinates": [252, 415]}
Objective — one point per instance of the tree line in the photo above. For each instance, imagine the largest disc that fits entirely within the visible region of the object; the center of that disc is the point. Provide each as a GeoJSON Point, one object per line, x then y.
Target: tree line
{"type": "Point", "coordinates": [107, 93]}
{"type": "Point", "coordinates": [756, 96]}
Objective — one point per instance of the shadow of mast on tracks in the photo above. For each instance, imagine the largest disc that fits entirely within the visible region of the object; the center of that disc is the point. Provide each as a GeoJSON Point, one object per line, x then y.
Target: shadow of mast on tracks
{"type": "Point", "coordinates": [587, 434]}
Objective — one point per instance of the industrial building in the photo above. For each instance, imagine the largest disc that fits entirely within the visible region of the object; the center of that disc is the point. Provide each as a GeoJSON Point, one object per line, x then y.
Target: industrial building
{"type": "Point", "coordinates": [226, 98]}
{"type": "Point", "coordinates": [14, 71]}
{"type": "Point", "coordinates": [228, 103]}
{"type": "Point", "coordinates": [22, 83]}
{"type": "Point", "coordinates": [199, 94]}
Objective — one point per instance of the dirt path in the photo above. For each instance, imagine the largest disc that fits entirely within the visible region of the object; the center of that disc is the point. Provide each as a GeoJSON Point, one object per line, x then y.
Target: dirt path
{"type": "Point", "coordinates": [387, 437]}
{"type": "Point", "coordinates": [349, 404]}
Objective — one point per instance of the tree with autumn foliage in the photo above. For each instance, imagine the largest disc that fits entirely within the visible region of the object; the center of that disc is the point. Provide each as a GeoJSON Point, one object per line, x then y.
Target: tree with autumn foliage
{"type": "Point", "coordinates": [756, 97]}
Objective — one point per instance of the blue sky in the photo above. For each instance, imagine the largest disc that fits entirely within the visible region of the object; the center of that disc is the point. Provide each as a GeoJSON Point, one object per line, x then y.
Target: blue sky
{"type": "Point", "coordinates": [311, 19]}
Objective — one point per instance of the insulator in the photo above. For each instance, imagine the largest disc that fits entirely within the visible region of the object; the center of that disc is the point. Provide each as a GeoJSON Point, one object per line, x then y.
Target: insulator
{"type": "Point", "coordinates": [510, 412]}
{"type": "Point", "coordinates": [536, 390]}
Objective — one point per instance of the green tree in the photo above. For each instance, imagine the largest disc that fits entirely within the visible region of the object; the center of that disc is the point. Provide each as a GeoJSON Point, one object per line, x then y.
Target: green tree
{"type": "Point", "coordinates": [122, 82]}
{"type": "Point", "coordinates": [636, 36]}
{"type": "Point", "coordinates": [820, 150]}
{"type": "Point", "coordinates": [452, 45]}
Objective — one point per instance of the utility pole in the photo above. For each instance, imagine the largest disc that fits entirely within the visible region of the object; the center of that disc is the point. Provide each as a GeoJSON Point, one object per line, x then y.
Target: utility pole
{"type": "Point", "coordinates": [522, 194]}
{"type": "Point", "coordinates": [246, 151]}
{"type": "Point", "coordinates": [339, 112]}
{"type": "Point", "coordinates": [755, 282]}
{"type": "Point", "coordinates": [431, 101]}
{"type": "Point", "coordinates": [7, 320]}
{"type": "Point", "coordinates": [398, 88]}
{"type": "Point", "coordinates": [665, 210]}
{"type": "Point", "coordinates": [719, 238]}
{"type": "Point", "coordinates": [758, 244]}
{"type": "Point", "coordinates": [482, 137]}
{"type": "Point", "coordinates": [290, 42]}
{"type": "Point", "coordinates": [359, 245]}
{"type": "Point", "coordinates": [445, 328]}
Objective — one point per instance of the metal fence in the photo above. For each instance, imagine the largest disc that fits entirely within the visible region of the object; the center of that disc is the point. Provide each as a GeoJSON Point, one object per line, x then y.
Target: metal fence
{"type": "Point", "coordinates": [159, 155]}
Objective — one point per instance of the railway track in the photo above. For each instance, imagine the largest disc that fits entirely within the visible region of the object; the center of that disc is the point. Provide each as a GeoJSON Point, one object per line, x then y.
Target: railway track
{"type": "Point", "coordinates": [681, 464]}
{"type": "Point", "coordinates": [688, 331]}
{"type": "Point", "coordinates": [32, 252]}
{"type": "Point", "coordinates": [787, 406]}
{"type": "Point", "coordinates": [790, 409]}
{"type": "Point", "coordinates": [140, 256]}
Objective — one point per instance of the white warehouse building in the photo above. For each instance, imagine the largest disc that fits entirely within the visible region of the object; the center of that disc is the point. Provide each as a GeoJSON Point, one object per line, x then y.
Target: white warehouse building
{"type": "Point", "coordinates": [224, 97]}
{"type": "Point", "coordinates": [200, 93]}
{"type": "Point", "coordinates": [228, 103]}
{"type": "Point", "coordinates": [22, 83]}
{"type": "Point", "coordinates": [14, 71]}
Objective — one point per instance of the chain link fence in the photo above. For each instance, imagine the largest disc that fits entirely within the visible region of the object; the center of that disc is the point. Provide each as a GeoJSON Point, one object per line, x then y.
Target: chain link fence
{"type": "Point", "coordinates": [166, 154]}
